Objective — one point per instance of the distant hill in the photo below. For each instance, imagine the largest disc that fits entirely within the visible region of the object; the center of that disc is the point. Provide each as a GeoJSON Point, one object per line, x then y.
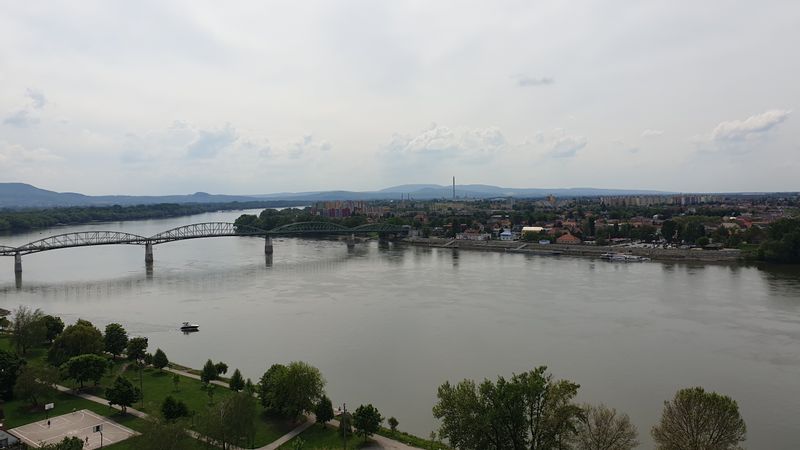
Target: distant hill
{"type": "Point", "coordinates": [20, 195]}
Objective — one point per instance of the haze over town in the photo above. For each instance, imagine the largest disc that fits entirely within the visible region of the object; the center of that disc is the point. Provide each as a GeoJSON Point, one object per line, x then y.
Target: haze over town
{"type": "Point", "coordinates": [149, 98]}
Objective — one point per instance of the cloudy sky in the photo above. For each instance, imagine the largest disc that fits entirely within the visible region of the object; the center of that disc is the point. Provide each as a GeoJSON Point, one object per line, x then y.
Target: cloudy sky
{"type": "Point", "coordinates": [176, 97]}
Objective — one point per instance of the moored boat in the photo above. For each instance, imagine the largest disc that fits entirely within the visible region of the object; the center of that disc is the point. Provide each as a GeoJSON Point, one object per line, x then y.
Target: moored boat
{"type": "Point", "coordinates": [186, 327]}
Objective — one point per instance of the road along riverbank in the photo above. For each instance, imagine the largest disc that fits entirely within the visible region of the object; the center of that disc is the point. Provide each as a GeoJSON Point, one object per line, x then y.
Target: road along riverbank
{"type": "Point", "coordinates": [592, 251]}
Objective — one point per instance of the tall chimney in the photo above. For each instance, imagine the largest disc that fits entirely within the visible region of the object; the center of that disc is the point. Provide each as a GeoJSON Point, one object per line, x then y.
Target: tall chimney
{"type": "Point", "coordinates": [454, 188]}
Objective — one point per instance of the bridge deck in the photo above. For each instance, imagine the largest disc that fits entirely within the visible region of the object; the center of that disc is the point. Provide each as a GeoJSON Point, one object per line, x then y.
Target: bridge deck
{"type": "Point", "coordinates": [192, 231]}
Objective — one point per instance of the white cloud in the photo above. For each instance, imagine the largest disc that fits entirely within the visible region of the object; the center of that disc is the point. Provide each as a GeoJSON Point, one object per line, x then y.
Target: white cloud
{"type": "Point", "coordinates": [652, 133]}
{"type": "Point", "coordinates": [438, 142]}
{"type": "Point", "coordinates": [567, 146]}
{"type": "Point", "coordinates": [751, 128]}
{"type": "Point", "coordinates": [37, 98]}
{"type": "Point", "coordinates": [526, 81]}
{"type": "Point", "coordinates": [18, 155]}
{"type": "Point", "coordinates": [21, 119]}
{"type": "Point", "coordinates": [209, 143]}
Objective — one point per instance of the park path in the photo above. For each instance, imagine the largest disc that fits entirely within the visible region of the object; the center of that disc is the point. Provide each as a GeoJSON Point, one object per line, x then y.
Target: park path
{"type": "Point", "coordinates": [383, 442]}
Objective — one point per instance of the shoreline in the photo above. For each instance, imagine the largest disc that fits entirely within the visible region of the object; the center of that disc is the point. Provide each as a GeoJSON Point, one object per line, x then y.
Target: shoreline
{"type": "Point", "coordinates": [656, 254]}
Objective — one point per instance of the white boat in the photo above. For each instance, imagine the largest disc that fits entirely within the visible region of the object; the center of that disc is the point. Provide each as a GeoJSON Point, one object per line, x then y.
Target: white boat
{"type": "Point", "coordinates": [621, 257]}
{"type": "Point", "coordinates": [190, 327]}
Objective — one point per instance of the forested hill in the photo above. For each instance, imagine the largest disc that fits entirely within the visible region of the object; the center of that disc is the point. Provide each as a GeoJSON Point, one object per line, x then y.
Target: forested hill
{"type": "Point", "coordinates": [17, 221]}
{"type": "Point", "coordinates": [20, 195]}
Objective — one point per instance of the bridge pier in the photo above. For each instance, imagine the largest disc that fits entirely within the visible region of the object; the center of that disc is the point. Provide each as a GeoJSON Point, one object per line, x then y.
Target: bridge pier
{"type": "Point", "coordinates": [268, 245]}
{"type": "Point", "coordinates": [148, 253]}
{"type": "Point", "coordinates": [351, 241]}
{"type": "Point", "coordinates": [17, 263]}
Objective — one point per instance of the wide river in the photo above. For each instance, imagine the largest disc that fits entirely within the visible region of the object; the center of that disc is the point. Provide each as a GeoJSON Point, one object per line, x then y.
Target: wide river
{"type": "Point", "coordinates": [388, 325]}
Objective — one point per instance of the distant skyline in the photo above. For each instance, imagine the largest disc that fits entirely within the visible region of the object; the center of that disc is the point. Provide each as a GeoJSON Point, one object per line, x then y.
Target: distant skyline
{"type": "Point", "coordinates": [152, 98]}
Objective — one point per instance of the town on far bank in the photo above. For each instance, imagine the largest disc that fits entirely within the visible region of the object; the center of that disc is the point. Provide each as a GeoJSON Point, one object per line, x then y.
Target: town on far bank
{"type": "Point", "coordinates": [736, 226]}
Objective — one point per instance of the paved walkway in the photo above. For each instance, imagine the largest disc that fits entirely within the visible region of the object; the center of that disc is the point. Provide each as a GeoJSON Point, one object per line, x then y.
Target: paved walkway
{"type": "Point", "coordinates": [383, 442]}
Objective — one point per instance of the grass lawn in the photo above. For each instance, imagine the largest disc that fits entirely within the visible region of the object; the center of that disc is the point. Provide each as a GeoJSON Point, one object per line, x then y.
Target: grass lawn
{"type": "Point", "coordinates": [157, 385]}
{"type": "Point", "coordinates": [327, 438]}
{"type": "Point", "coordinates": [412, 440]}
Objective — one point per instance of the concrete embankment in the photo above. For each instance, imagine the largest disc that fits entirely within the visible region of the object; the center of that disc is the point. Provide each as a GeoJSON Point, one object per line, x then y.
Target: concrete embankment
{"type": "Point", "coordinates": [667, 254]}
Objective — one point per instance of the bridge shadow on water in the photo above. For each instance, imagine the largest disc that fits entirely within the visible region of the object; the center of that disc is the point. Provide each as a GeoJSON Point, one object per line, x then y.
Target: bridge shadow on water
{"type": "Point", "coordinates": [273, 265]}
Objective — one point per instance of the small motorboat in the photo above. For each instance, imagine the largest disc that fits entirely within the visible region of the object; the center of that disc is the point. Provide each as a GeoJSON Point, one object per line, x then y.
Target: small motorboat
{"type": "Point", "coordinates": [188, 327]}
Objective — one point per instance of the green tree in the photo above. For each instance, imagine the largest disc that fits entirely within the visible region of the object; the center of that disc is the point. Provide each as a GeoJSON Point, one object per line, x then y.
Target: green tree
{"type": "Point", "coordinates": [28, 329]}
{"type": "Point", "coordinates": [367, 420]}
{"type": "Point", "coordinates": [237, 382]}
{"type": "Point", "coordinates": [531, 410]}
{"type": "Point", "coordinates": [324, 410]}
{"type": "Point", "coordinates": [668, 230]}
{"type": "Point", "coordinates": [176, 380]}
{"type": "Point", "coordinates": [173, 409]}
{"type": "Point", "coordinates": [165, 436]}
{"type": "Point", "coordinates": [209, 372]}
{"type": "Point", "coordinates": [250, 388]}
{"type": "Point", "coordinates": [68, 443]}
{"type": "Point", "coordinates": [782, 244]}
{"type": "Point", "coordinates": [53, 326]}
{"type": "Point", "coordinates": [137, 348]}
{"type": "Point", "coordinates": [80, 338]}
{"type": "Point", "coordinates": [230, 423]}
{"type": "Point", "coordinates": [210, 390]}
{"type": "Point", "coordinates": [393, 423]}
{"type": "Point", "coordinates": [85, 368]}
{"type": "Point", "coordinates": [36, 383]}
{"type": "Point", "coordinates": [10, 365]}
{"type": "Point", "coordinates": [115, 339]}
{"type": "Point", "coordinates": [160, 359]}
{"type": "Point", "coordinates": [122, 393]}
{"type": "Point", "coordinates": [221, 367]}
{"type": "Point", "coordinates": [291, 390]}
{"type": "Point", "coordinates": [699, 420]}
{"type": "Point", "coordinates": [601, 428]}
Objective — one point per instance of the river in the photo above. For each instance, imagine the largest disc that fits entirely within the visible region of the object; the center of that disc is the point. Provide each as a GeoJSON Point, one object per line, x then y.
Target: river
{"type": "Point", "coordinates": [388, 325]}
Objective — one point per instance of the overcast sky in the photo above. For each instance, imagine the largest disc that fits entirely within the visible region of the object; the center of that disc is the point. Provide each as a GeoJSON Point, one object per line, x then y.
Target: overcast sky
{"type": "Point", "coordinates": [120, 97]}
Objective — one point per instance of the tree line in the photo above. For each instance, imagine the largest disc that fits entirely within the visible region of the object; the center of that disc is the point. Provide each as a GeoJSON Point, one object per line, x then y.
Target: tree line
{"type": "Point", "coordinates": [18, 221]}
{"type": "Point", "coordinates": [534, 411]}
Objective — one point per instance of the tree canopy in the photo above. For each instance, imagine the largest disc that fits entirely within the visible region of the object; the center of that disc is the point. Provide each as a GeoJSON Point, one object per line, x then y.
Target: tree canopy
{"type": "Point", "coordinates": [529, 411]}
{"type": "Point", "coordinates": [10, 365]}
{"type": "Point", "coordinates": [324, 410]}
{"type": "Point", "coordinates": [28, 329]}
{"type": "Point", "coordinates": [35, 383]}
{"type": "Point", "coordinates": [160, 359]}
{"type": "Point", "coordinates": [123, 393]}
{"type": "Point", "coordinates": [699, 420]}
{"type": "Point", "coordinates": [291, 390]}
{"type": "Point", "coordinates": [367, 420]}
{"type": "Point", "coordinates": [115, 339]}
{"type": "Point", "coordinates": [80, 338]}
{"type": "Point", "coordinates": [137, 348]}
{"type": "Point", "coordinates": [83, 368]}
{"type": "Point", "coordinates": [602, 428]}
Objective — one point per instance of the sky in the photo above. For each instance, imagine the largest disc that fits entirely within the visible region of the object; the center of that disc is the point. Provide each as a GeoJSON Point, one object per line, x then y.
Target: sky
{"type": "Point", "coordinates": [169, 97]}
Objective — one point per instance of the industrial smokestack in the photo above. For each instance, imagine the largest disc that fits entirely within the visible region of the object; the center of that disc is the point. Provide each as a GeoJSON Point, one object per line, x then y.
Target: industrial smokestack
{"type": "Point", "coordinates": [454, 188]}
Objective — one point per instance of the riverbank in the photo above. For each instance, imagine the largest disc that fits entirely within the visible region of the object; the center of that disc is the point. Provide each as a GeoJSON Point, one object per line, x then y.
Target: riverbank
{"type": "Point", "coordinates": [591, 251]}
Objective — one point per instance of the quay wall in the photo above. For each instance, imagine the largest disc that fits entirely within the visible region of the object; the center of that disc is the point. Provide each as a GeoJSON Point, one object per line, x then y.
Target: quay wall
{"type": "Point", "coordinates": [669, 254]}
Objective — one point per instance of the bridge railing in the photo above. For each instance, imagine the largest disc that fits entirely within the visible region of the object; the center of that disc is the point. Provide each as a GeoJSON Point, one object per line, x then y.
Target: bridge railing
{"type": "Point", "coordinates": [192, 231]}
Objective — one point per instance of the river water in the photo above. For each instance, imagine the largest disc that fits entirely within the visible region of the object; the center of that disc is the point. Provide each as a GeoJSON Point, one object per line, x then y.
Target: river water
{"type": "Point", "coordinates": [387, 325]}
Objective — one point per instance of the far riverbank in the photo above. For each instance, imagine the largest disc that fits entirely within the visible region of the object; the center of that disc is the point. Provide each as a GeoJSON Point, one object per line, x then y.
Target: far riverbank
{"type": "Point", "coordinates": [657, 253]}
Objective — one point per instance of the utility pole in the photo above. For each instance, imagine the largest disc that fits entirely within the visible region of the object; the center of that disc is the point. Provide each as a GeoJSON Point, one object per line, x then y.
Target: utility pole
{"type": "Point", "coordinates": [344, 424]}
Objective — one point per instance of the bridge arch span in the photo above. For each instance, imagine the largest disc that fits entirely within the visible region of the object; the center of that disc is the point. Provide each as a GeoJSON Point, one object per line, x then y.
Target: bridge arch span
{"type": "Point", "coordinates": [79, 239]}
{"type": "Point", "coordinates": [204, 230]}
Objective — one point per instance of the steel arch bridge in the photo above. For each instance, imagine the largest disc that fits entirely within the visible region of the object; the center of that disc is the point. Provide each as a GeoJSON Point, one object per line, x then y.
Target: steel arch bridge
{"type": "Point", "coordinates": [193, 231]}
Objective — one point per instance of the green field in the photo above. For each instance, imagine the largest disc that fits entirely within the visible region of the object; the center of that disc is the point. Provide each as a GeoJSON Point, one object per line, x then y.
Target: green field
{"type": "Point", "coordinates": [328, 438]}
{"type": "Point", "coordinates": [156, 386]}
